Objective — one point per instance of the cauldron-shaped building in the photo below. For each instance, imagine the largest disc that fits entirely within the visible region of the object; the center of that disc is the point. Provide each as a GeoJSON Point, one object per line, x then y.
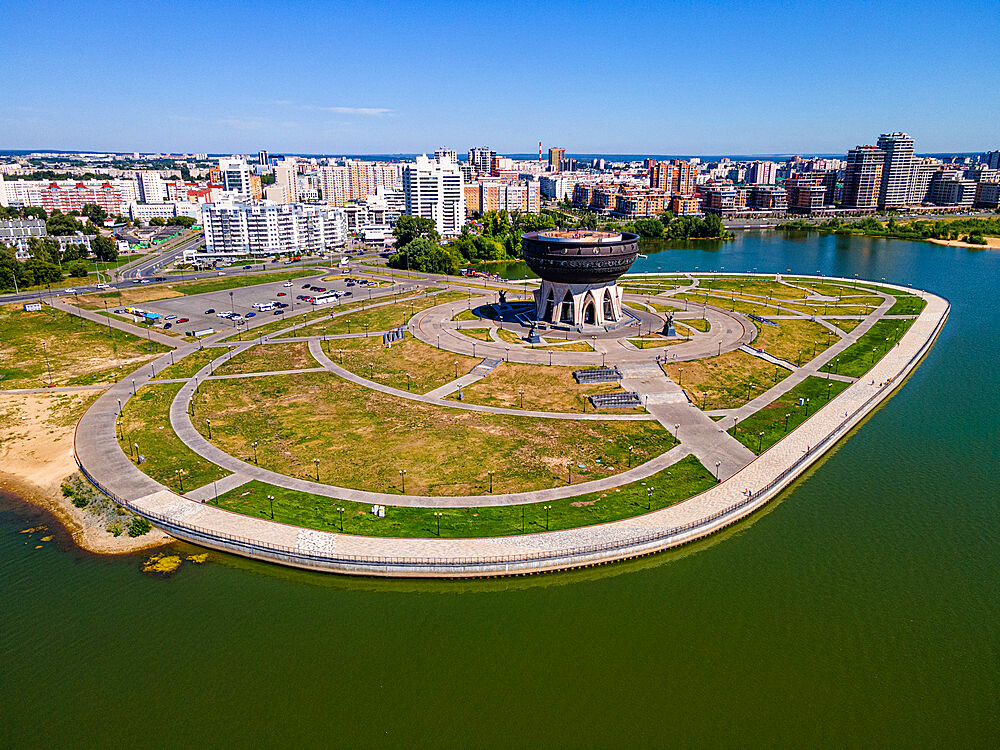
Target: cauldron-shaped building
{"type": "Point", "coordinates": [579, 270]}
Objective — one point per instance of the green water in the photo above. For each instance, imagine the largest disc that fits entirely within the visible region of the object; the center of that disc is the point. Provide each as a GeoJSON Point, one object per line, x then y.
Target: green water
{"type": "Point", "coordinates": [861, 610]}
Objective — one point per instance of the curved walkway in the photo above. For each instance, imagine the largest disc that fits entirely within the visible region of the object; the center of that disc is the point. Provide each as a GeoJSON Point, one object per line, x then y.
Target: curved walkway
{"type": "Point", "coordinates": [726, 503]}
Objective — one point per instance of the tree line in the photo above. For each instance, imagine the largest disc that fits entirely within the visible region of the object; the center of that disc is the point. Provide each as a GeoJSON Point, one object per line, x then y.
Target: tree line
{"type": "Point", "coordinates": [973, 231]}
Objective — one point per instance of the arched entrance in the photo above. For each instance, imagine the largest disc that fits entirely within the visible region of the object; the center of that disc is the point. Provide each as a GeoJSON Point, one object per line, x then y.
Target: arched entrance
{"type": "Point", "coordinates": [567, 309]}
{"type": "Point", "coordinates": [589, 312]}
{"type": "Point", "coordinates": [550, 303]}
{"type": "Point", "coordinates": [609, 308]}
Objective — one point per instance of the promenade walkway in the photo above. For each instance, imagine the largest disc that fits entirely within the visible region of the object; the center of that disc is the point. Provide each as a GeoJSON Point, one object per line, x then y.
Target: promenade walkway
{"type": "Point", "coordinates": [746, 489]}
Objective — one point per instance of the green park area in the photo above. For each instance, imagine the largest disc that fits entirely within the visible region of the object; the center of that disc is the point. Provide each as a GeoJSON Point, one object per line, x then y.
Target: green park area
{"type": "Point", "coordinates": [726, 381]}
{"type": "Point", "coordinates": [796, 341]}
{"type": "Point", "coordinates": [783, 415]}
{"type": "Point", "coordinates": [267, 358]}
{"type": "Point", "coordinates": [845, 324]}
{"type": "Point", "coordinates": [407, 365]}
{"type": "Point", "coordinates": [363, 438]}
{"type": "Point", "coordinates": [861, 356]}
{"type": "Point", "coordinates": [379, 317]}
{"type": "Point", "coordinates": [684, 479]}
{"type": "Point", "coordinates": [53, 347]}
{"type": "Point", "coordinates": [145, 421]}
{"type": "Point", "coordinates": [535, 388]}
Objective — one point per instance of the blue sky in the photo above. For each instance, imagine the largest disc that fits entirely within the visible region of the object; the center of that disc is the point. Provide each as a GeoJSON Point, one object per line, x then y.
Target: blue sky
{"type": "Point", "coordinates": [606, 77]}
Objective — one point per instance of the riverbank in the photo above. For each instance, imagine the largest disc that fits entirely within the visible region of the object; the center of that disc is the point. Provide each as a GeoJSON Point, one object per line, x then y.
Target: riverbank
{"type": "Point", "coordinates": [36, 453]}
{"type": "Point", "coordinates": [992, 243]}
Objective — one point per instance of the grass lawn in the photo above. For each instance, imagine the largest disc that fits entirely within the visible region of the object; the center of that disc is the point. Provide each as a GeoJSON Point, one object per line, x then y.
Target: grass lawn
{"type": "Point", "coordinates": [122, 260]}
{"type": "Point", "coordinates": [751, 286]}
{"type": "Point", "coordinates": [510, 336]}
{"type": "Point", "coordinates": [466, 315]}
{"type": "Point", "coordinates": [846, 324]}
{"type": "Point", "coordinates": [482, 334]}
{"type": "Point", "coordinates": [364, 438]}
{"type": "Point", "coordinates": [569, 346]}
{"type": "Point", "coordinates": [682, 480]}
{"type": "Point", "coordinates": [771, 419]}
{"type": "Point", "coordinates": [78, 351]}
{"type": "Point", "coordinates": [699, 324]}
{"type": "Point", "coordinates": [727, 381]}
{"type": "Point", "coordinates": [137, 295]}
{"type": "Point", "coordinates": [428, 367]}
{"type": "Point", "coordinates": [794, 340]}
{"type": "Point", "coordinates": [145, 420]}
{"type": "Point", "coordinates": [655, 343]}
{"type": "Point", "coordinates": [269, 358]}
{"type": "Point", "coordinates": [189, 365]}
{"type": "Point", "coordinates": [544, 389]}
{"type": "Point", "coordinates": [380, 318]}
{"type": "Point", "coordinates": [907, 304]}
{"type": "Point", "coordinates": [862, 355]}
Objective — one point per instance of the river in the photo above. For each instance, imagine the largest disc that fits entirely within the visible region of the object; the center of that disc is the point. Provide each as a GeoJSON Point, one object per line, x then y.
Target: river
{"type": "Point", "coordinates": [861, 609]}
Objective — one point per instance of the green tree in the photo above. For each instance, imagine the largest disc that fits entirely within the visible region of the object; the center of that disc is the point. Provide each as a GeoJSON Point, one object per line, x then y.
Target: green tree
{"type": "Point", "coordinates": [95, 213]}
{"type": "Point", "coordinates": [409, 228]}
{"type": "Point", "coordinates": [104, 248]}
{"type": "Point", "coordinates": [157, 221]}
{"type": "Point", "coordinates": [41, 272]}
{"type": "Point", "coordinates": [78, 269]}
{"type": "Point", "coordinates": [423, 255]}
{"type": "Point", "coordinates": [59, 224]}
{"type": "Point", "coordinates": [181, 221]}
{"type": "Point", "coordinates": [649, 228]}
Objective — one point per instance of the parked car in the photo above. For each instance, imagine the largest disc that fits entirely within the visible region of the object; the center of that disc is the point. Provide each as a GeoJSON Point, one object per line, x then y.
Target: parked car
{"type": "Point", "coordinates": [251, 314]}
{"type": "Point", "coordinates": [281, 294]}
{"type": "Point", "coordinates": [209, 311]}
{"type": "Point", "coordinates": [307, 286]}
{"type": "Point", "coordinates": [103, 286]}
{"type": "Point", "coordinates": [170, 317]}
{"type": "Point", "coordinates": [287, 283]}
{"type": "Point", "coordinates": [278, 312]}
{"type": "Point", "coordinates": [71, 291]}
{"type": "Point", "coordinates": [181, 320]}
{"type": "Point", "coordinates": [248, 266]}
{"type": "Point", "coordinates": [168, 325]}
{"type": "Point", "coordinates": [348, 294]}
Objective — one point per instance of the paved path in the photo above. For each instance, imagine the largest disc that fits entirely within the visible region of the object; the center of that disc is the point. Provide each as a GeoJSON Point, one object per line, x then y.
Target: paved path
{"type": "Point", "coordinates": [719, 506]}
{"type": "Point", "coordinates": [56, 389]}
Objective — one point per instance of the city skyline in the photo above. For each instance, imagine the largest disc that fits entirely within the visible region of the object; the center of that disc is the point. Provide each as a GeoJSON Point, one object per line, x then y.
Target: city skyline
{"type": "Point", "coordinates": [405, 78]}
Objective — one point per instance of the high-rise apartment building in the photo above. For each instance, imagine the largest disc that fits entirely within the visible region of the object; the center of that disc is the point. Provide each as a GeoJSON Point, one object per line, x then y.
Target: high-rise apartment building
{"type": "Point", "coordinates": [356, 180]}
{"type": "Point", "coordinates": [445, 154]}
{"type": "Point", "coordinates": [268, 229]}
{"type": "Point", "coordinates": [920, 185]}
{"type": "Point", "coordinates": [286, 175]}
{"type": "Point", "coordinates": [863, 177]}
{"type": "Point", "coordinates": [433, 190]}
{"type": "Point", "coordinates": [677, 177]}
{"type": "Point", "coordinates": [991, 159]}
{"type": "Point", "coordinates": [236, 177]}
{"type": "Point", "coordinates": [556, 156]}
{"type": "Point", "coordinates": [762, 173]}
{"type": "Point", "coordinates": [898, 169]}
{"type": "Point", "coordinates": [481, 159]}
{"type": "Point", "coordinates": [263, 158]}
{"type": "Point", "coordinates": [151, 187]}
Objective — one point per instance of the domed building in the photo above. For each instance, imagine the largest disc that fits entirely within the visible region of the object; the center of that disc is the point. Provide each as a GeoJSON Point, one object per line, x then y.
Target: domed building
{"type": "Point", "coordinates": [579, 270]}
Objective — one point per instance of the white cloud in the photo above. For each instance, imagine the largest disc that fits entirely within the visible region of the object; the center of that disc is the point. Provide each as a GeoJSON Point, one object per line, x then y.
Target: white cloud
{"type": "Point", "coordinates": [371, 111]}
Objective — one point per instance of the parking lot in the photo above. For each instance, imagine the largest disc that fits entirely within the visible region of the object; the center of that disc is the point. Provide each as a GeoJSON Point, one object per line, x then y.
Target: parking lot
{"type": "Point", "coordinates": [240, 300]}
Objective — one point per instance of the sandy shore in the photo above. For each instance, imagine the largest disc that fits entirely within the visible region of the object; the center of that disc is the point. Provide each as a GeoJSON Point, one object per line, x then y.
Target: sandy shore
{"type": "Point", "coordinates": [36, 455]}
{"type": "Point", "coordinates": [992, 243]}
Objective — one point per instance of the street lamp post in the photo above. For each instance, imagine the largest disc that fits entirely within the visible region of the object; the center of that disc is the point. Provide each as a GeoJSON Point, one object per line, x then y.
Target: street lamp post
{"type": "Point", "coordinates": [520, 393]}
{"type": "Point", "coordinates": [787, 415]}
{"type": "Point", "coordinates": [569, 473]}
{"type": "Point", "coordinates": [180, 478]}
{"type": "Point", "coordinates": [437, 517]}
{"type": "Point", "coordinates": [717, 465]}
{"type": "Point", "coordinates": [547, 509]}
{"type": "Point", "coordinates": [341, 511]}
{"type": "Point", "coordinates": [316, 462]}
{"type": "Point", "coordinates": [491, 472]}
{"type": "Point", "coordinates": [760, 440]}
{"type": "Point", "coordinates": [209, 423]}
{"type": "Point", "coordinates": [254, 444]}
{"type": "Point", "coordinates": [402, 480]}
{"type": "Point", "coordinates": [677, 429]}
{"type": "Point", "coordinates": [630, 456]}
{"type": "Point", "coordinates": [270, 499]}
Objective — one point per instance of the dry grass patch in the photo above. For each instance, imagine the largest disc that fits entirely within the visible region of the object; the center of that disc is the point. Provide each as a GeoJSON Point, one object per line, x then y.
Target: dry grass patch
{"type": "Point", "coordinates": [727, 381]}
{"type": "Point", "coordinates": [409, 364]}
{"type": "Point", "coordinates": [794, 340]}
{"type": "Point", "coordinates": [269, 358]}
{"type": "Point", "coordinates": [364, 438]}
{"type": "Point", "coordinates": [543, 388]}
